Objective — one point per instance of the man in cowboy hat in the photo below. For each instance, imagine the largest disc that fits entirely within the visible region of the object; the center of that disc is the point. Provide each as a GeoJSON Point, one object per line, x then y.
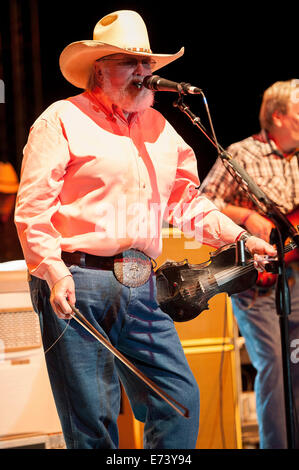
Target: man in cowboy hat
{"type": "Point", "coordinates": [101, 171]}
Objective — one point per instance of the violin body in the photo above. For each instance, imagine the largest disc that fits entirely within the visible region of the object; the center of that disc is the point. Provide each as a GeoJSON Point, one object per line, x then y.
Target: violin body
{"type": "Point", "coordinates": [183, 289]}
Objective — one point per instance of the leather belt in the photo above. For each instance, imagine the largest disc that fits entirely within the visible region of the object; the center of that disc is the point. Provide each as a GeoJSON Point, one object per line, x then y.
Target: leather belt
{"type": "Point", "coordinates": [131, 268]}
{"type": "Point", "coordinates": [89, 261]}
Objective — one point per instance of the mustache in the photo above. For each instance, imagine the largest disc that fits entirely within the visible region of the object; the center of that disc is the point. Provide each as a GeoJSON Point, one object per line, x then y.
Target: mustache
{"type": "Point", "coordinates": [137, 81]}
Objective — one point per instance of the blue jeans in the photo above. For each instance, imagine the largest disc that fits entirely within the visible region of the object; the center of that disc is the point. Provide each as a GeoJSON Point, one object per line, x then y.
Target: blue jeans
{"type": "Point", "coordinates": [259, 325]}
{"type": "Point", "coordinates": [85, 376]}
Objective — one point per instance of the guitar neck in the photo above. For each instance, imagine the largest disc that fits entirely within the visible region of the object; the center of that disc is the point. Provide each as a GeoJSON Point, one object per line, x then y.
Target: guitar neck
{"type": "Point", "coordinates": [291, 246]}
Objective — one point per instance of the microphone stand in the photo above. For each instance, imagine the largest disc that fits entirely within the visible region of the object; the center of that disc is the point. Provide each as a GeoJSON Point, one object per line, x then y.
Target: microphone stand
{"type": "Point", "coordinates": [283, 230]}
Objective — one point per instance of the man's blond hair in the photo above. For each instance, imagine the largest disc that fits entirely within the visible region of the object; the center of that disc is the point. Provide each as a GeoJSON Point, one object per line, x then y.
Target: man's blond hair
{"type": "Point", "coordinates": [277, 98]}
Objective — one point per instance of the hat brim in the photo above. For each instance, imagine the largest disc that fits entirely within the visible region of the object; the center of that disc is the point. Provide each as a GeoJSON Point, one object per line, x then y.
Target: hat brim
{"type": "Point", "coordinates": [77, 59]}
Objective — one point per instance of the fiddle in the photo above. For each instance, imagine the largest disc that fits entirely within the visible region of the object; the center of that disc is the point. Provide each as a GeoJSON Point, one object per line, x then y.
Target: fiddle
{"type": "Point", "coordinates": [183, 289]}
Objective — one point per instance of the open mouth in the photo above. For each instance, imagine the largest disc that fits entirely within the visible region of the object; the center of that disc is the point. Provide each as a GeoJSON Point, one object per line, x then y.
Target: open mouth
{"type": "Point", "coordinates": [138, 84]}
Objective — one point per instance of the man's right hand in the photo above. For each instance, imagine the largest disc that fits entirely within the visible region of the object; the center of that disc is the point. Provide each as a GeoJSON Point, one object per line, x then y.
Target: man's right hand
{"type": "Point", "coordinates": [62, 293]}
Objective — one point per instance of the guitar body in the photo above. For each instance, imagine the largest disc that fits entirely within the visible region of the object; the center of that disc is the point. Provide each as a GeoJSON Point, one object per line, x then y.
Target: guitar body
{"type": "Point", "coordinates": [293, 255]}
{"type": "Point", "coordinates": [266, 279]}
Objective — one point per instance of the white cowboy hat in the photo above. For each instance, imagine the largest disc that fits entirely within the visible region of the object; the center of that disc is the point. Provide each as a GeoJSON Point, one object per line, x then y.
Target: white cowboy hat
{"type": "Point", "coordinates": [123, 31]}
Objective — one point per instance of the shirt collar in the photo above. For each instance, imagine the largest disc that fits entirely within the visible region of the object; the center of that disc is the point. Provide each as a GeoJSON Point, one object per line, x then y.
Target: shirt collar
{"type": "Point", "coordinates": [112, 111]}
{"type": "Point", "coordinates": [266, 137]}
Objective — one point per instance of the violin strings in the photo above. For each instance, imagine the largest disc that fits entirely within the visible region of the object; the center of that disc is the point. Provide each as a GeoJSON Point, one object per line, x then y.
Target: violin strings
{"type": "Point", "coordinates": [193, 289]}
{"type": "Point", "coordinates": [250, 265]}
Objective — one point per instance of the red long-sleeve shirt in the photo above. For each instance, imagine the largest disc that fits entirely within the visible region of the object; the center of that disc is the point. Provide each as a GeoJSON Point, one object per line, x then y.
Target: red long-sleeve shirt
{"type": "Point", "coordinates": [92, 181]}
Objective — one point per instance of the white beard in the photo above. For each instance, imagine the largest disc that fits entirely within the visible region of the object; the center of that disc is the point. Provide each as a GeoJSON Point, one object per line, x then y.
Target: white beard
{"type": "Point", "coordinates": [129, 98]}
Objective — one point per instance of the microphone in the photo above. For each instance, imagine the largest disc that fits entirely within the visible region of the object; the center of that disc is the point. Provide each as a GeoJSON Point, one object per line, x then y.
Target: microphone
{"type": "Point", "coordinates": [154, 82]}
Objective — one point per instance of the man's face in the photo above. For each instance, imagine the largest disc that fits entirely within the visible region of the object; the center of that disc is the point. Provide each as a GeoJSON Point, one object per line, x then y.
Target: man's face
{"type": "Point", "coordinates": [120, 78]}
{"type": "Point", "coordinates": [291, 121]}
{"type": "Point", "coordinates": [289, 124]}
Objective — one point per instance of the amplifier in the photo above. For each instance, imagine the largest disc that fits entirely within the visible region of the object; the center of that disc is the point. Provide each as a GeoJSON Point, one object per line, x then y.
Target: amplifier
{"type": "Point", "coordinates": [27, 407]}
{"type": "Point", "coordinates": [19, 329]}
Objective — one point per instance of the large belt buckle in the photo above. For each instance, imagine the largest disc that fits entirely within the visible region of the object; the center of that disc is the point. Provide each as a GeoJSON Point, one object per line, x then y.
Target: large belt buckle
{"type": "Point", "coordinates": [132, 268]}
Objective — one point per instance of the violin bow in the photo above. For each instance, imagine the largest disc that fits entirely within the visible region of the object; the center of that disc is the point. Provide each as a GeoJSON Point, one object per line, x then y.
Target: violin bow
{"type": "Point", "coordinates": [77, 315]}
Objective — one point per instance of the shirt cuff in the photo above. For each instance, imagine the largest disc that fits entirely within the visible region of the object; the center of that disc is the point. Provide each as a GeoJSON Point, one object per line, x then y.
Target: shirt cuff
{"type": "Point", "coordinates": [56, 271]}
{"type": "Point", "coordinates": [240, 235]}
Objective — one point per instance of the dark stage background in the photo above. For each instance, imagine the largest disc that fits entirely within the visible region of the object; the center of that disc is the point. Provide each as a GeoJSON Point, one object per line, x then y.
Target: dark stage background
{"type": "Point", "coordinates": [232, 51]}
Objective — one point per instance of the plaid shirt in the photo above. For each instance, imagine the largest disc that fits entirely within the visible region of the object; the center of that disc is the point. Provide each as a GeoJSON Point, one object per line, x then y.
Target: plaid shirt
{"type": "Point", "coordinates": [276, 174]}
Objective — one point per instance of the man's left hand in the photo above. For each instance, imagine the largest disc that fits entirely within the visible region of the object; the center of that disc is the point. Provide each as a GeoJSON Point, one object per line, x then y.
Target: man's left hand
{"type": "Point", "coordinates": [261, 250]}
